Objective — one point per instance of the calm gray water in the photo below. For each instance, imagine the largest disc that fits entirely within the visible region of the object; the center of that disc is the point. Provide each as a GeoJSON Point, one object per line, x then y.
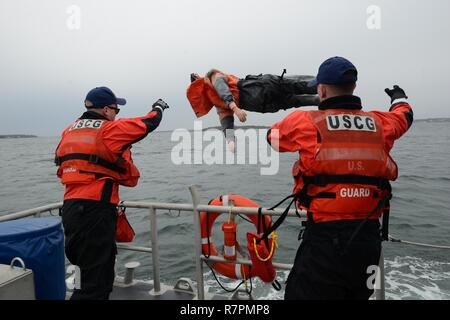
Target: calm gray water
{"type": "Point", "coordinates": [420, 207]}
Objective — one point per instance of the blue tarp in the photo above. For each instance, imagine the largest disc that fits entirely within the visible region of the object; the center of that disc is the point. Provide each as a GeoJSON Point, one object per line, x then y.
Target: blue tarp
{"type": "Point", "coordinates": [40, 244]}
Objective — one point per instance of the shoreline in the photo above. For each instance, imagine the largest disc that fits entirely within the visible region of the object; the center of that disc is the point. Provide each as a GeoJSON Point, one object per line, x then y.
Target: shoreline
{"type": "Point", "coordinates": [15, 136]}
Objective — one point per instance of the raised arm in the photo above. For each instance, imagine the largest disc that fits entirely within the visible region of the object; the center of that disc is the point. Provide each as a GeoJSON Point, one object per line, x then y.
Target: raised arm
{"type": "Point", "coordinates": [399, 118]}
{"type": "Point", "coordinates": [223, 90]}
{"type": "Point", "coordinates": [120, 134]}
{"type": "Point", "coordinates": [290, 134]}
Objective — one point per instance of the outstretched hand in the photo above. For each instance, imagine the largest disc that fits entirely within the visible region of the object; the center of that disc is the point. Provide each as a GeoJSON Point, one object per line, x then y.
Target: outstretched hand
{"type": "Point", "coordinates": [194, 76]}
{"type": "Point", "coordinates": [396, 93]}
{"type": "Point", "coordinates": [242, 116]}
{"type": "Point", "coordinates": [161, 103]}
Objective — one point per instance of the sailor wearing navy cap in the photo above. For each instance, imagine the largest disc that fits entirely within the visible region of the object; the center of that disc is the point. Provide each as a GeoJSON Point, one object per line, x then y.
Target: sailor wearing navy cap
{"type": "Point", "coordinates": [93, 159]}
{"type": "Point", "coordinates": [342, 180]}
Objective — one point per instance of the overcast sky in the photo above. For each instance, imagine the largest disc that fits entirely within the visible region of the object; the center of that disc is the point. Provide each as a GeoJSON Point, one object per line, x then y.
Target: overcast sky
{"type": "Point", "coordinates": [145, 50]}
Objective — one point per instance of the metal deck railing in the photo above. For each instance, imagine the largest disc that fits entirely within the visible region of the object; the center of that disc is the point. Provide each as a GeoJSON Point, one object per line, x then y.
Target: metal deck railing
{"type": "Point", "coordinates": [195, 207]}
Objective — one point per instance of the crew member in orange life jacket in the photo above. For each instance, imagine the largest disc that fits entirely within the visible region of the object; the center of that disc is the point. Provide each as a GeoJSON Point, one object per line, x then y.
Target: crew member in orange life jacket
{"type": "Point", "coordinates": [264, 93]}
{"type": "Point", "coordinates": [93, 159]}
{"type": "Point", "coordinates": [342, 180]}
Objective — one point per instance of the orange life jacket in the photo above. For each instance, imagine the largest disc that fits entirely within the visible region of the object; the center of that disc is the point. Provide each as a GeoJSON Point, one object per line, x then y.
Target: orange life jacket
{"type": "Point", "coordinates": [82, 156]}
{"type": "Point", "coordinates": [351, 169]}
{"type": "Point", "coordinates": [203, 96]}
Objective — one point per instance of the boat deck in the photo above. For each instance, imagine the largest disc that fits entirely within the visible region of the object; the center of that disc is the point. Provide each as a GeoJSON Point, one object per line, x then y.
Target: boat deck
{"type": "Point", "coordinates": [144, 290]}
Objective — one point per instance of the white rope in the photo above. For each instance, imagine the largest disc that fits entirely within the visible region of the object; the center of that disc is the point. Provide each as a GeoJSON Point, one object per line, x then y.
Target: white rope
{"type": "Point", "coordinates": [392, 239]}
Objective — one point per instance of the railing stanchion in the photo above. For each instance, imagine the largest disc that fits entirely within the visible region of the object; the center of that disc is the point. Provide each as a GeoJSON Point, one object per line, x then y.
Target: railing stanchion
{"type": "Point", "coordinates": [198, 244]}
{"type": "Point", "coordinates": [155, 250]}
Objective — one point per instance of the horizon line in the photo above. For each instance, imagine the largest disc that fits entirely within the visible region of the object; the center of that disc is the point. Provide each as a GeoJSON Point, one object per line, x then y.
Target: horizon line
{"type": "Point", "coordinates": [213, 127]}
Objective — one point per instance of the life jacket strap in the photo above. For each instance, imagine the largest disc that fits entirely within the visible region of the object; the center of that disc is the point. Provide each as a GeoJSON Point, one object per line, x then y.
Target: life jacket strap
{"type": "Point", "coordinates": [381, 204]}
{"type": "Point", "coordinates": [280, 220]}
{"type": "Point", "coordinates": [385, 222]}
{"type": "Point", "coordinates": [91, 158]}
{"type": "Point", "coordinates": [324, 179]}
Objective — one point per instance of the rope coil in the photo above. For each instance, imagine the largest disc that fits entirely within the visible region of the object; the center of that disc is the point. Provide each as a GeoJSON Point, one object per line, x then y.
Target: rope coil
{"type": "Point", "coordinates": [272, 248]}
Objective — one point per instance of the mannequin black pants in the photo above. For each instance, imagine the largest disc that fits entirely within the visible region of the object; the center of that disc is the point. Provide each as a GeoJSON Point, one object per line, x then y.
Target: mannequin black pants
{"type": "Point", "coordinates": [268, 93]}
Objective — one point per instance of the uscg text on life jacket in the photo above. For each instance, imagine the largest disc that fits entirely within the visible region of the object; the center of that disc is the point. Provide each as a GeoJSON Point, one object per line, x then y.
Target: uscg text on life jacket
{"type": "Point", "coordinates": [86, 123]}
{"type": "Point", "coordinates": [350, 122]}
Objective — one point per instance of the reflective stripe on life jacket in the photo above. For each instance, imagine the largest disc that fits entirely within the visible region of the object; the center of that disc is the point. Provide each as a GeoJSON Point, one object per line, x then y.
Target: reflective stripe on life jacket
{"type": "Point", "coordinates": [350, 172]}
{"type": "Point", "coordinates": [203, 96]}
{"type": "Point", "coordinates": [82, 156]}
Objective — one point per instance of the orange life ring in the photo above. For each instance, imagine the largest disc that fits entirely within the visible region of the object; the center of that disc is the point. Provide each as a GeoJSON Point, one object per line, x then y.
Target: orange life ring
{"type": "Point", "coordinates": [229, 269]}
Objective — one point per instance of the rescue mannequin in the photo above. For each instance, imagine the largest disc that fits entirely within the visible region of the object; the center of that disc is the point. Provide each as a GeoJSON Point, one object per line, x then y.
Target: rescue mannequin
{"type": "Point", "coordinates": [263, 93]}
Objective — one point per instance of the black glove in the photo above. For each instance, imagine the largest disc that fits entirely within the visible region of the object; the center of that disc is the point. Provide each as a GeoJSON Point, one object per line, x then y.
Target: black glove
{"type": "Point", "coordinates": [161, 103]}
{"type": "Point", "coordinates": [396, 93]}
